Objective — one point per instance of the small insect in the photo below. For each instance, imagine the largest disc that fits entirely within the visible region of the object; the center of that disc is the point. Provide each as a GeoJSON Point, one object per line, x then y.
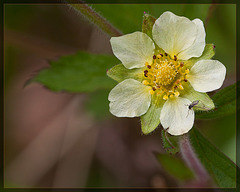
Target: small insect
{"type": "Point", "coordinates": [191, 105]}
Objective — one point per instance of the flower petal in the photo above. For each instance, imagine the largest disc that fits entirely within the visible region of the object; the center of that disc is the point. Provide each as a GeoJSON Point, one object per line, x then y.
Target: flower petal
{"type": "Point", "coordinates": [207, 75]}
{"type": "Point", "coordinates": [130, 98]}
{"type": "Point", "coordinates": [176, 117]}
{"type": "Point", "coordinates": [133, 50]}
{"type": "Point", "coordinates": [196, 49]}
{"type": "Point", "coordinates": [173, 33]}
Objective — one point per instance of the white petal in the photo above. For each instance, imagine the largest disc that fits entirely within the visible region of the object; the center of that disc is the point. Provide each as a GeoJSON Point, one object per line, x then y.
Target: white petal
{"type": "Point", "coordinates": [133, 50]}
{"type": "Point", "coordinates": [176, 117]}
{"type": "Point", "coordinates": [173, 33]}
{"type": "Point", "coordinates": [196, 49]}
{"type": "Point", "coordinates": [207, 75]}
{"type": "Point", "coordinates": [130, 98]}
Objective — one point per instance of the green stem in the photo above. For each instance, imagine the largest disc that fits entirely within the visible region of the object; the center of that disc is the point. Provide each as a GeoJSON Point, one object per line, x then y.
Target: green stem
{"type": "Point", "coordinates": [96, 18]}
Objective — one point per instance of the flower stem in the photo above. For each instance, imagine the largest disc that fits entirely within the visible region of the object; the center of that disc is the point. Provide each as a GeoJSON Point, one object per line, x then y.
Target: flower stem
{"type": "Point", "coordinates": [192, 161]}
{"type": "Point", "coordinates": [96, 18]}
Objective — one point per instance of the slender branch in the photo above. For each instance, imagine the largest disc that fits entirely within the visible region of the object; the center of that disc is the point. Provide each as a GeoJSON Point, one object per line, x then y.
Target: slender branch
{"type": "Point", "coordinates": [192, 161]}
{"type": "Point", "coordinates": [94, 17]}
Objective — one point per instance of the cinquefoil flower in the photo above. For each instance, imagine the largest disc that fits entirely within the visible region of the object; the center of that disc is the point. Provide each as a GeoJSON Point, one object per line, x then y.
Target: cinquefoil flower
{"type": "Point", "coordinates": [163, 73]}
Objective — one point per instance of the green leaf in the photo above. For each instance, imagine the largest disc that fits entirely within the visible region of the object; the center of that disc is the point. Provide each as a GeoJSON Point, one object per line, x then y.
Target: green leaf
{"type": "Point", "coordinates": [219, 166]}
{"type": "Point", "coordinates": [82, 72]}
{"type": "Point", "coordinates": [147, 25]}
{"type": "Point", "coordinates": [208, 53]}
{"type": "Point", "coordinates": [151, 119]}
{"type": "Point", "coordinates": [175, 166]}
{"type": "Point", "coordinates": [170, 143]}
{"type": "Point", "coordinates": [225, 102]}
{"type": "Point", "coordinates": [120, 73]}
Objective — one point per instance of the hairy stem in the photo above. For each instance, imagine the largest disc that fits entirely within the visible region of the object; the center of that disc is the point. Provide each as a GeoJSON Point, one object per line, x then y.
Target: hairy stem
{"type": "Point", "coordinates": [94, 17]}
{"type": "Point", "coordinates": [191, 160]}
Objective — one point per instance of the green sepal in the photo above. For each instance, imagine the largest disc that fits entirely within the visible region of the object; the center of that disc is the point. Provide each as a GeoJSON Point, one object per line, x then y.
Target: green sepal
{"type": "Point", "coordinates": [151, 119]}
{"type": "Point", "coordinates": [120, 73]}
{"type": "Point", "coordinates": [225, 101]}
{"type": "Point", "coordinates": [205, 102]}
{"type": "Point", "coordinates": [175, 167]}
{"type": "Point", "coordinates": [148, 22]}
{"type": "Point", "coordinates": [208, 53]}
{"type": "Point", "coordinates": [170, 143]}
{"type": "Point", "coordinates": [81, 72]}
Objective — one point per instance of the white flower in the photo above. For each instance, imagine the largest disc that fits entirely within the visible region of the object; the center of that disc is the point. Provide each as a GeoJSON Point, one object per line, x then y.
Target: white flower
{"type": "Point", "coordinates": [168, 80]}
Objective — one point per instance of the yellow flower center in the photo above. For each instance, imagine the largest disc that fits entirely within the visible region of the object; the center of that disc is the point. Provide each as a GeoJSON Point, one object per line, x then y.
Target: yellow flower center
{"type": "Point", "coordinates": [165, 75]}
{"type": "Point", "coordinates": [164, 72]}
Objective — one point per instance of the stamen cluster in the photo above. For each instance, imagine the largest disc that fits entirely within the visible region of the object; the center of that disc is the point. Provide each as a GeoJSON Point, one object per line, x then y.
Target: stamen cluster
{"type": "Point", "coordinates": [165, 75]}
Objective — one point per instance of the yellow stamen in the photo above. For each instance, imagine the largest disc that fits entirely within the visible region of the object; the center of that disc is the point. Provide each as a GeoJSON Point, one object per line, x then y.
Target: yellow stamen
{"type": "Point", "coordinates": [176, 93]}
{"type": "Point", "coordinates": [187, 71]}
{"type": "Point", "coordinates": [145, 82]}
{"type": "Point", "coordinates": [165, 97]}
{"type": "Point", "coordinates": [152, 92]}
{"type": "Point", "coordinates": [181, 87]}
{"type": "Point", "coordinates": [165, 75]}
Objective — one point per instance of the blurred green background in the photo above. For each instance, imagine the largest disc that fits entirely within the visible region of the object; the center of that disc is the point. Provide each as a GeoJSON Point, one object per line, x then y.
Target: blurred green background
{"type": "Point", "coordinates": [118, 154]}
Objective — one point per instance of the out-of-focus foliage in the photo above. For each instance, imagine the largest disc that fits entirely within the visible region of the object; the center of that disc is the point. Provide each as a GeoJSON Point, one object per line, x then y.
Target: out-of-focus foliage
{"type": "Point", "coordinates": [221, 168]}
{"type": "Point", "coordinates": [175, 167]}
{"type": "Point", "coordinates": [99, 110]}
{"type": "Point", "coordinates": [17, 16]}
{"type": "Point", "coordinates": [82, 72]}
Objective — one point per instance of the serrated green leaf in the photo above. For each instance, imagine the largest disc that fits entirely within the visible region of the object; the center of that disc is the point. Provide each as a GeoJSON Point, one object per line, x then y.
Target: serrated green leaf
{"type": "Point", "coordinates": [170, 143]}
{"type": "Point", "coordinates": [120, 73]}
{"type": "Point", "coordinates": [148, 21]}
{"type": "Point", "coordinates": [208, 53]}
{"type": "Point", "coordinates": [175, 166]}
{"type": "Point", "coordinates": [82, 72]}
{"type": "Point", "coordinates": [219, 166]}
{"type": "Point", "coordinates": [225, 102]}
